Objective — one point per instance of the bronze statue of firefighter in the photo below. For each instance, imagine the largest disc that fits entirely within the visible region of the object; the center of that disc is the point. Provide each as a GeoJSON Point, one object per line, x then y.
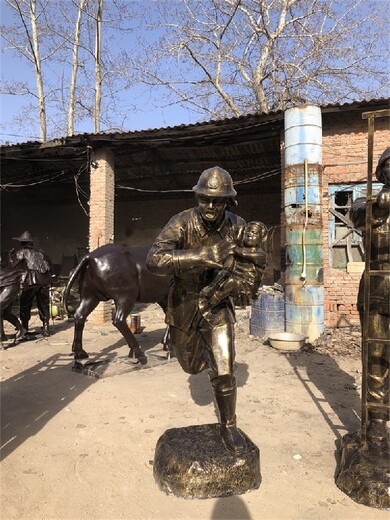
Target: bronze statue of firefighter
{"type": "Point", "coordinates": [200, 248]}
{"type": "Point", "coordinates": [378, 383]}
{"type": "Point", "coordinates": [365, 464]}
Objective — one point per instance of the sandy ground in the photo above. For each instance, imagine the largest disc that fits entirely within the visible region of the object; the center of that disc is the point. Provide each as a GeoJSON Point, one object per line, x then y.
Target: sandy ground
{"type": "Point", "coordinates": [80, 447]}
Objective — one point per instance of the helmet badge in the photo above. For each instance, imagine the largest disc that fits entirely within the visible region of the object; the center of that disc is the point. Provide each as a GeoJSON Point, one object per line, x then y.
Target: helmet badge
{"type": "Point", "coordinates": [212, 183]}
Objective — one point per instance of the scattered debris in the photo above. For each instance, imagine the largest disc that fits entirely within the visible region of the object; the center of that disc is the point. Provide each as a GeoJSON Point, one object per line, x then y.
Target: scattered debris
{"type": "Point", "coordinates": [344, 342]}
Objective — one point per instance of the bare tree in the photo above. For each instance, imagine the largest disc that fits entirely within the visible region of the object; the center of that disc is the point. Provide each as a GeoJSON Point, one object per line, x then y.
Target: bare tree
{"type": "Point", "coordinates": [216, 57]}
{"type": "Point", "coordinates": [98, 66]}
{"type": "Point", "coordinates": [75, 66]}
{"type": "Point", "coordinates": [29, 47]}
{"type": "Point", "coordinates": [77, 62]}
{"type": "Point", "coordinates": [231, 57]}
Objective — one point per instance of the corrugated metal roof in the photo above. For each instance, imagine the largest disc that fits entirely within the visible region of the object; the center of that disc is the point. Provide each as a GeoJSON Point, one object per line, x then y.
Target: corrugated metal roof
{"type": "Point", "coordinates": [168, 158]}
{"type": "Point", "coordinates": [257, 117]}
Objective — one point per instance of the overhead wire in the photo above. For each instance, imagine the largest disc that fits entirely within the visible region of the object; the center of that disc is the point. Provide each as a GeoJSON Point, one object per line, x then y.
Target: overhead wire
{"type": "Point", "coordinates": [41, 181]}
{"type": "Point", "coordinates": [255, 178]}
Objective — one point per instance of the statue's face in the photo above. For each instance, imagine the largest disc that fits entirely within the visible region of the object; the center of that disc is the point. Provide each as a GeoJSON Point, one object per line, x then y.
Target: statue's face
{"type": "Point", "coordinates": [252, 236]}
{"type": "Point", "coordinates": [212, 209]}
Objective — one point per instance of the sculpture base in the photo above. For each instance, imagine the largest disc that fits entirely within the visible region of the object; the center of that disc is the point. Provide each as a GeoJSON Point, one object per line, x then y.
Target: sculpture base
{"type": "Point", "coordinates": [364, 472]}
{"type": "Point", "coordinates": [193, 462]}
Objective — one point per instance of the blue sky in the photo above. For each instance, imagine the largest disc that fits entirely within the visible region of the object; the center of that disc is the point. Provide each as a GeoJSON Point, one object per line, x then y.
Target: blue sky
{"type": "Point", "coordinates": [147, 102]}
{"type": "Point", "coordinates": [147, 114]}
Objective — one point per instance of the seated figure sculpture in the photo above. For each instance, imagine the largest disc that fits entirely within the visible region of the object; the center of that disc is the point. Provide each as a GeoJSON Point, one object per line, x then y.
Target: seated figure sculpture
{"type": "Point", "coordinates": [242, 272]}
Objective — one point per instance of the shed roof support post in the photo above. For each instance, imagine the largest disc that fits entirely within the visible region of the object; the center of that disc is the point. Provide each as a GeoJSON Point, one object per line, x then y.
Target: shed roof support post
{"type": "Point", "coordinates": [304, 285]}
{"type": "Point", "coordinates": [101, 214]}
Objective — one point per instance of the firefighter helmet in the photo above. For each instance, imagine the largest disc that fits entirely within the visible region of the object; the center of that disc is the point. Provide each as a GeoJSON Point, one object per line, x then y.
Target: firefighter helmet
{"type": "Point", "coordinates": [215, 182]}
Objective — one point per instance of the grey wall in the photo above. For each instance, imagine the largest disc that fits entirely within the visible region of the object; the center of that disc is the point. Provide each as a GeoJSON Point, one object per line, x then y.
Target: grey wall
{"type": "Point", "coordinates": [62, 230]}
{"type": "Point", "coordinates": [58, 230]}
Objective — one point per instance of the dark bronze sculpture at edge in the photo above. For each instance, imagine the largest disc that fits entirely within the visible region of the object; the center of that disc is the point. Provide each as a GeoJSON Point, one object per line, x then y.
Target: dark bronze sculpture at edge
{"type": "Point", "coordinates": [364, 472]}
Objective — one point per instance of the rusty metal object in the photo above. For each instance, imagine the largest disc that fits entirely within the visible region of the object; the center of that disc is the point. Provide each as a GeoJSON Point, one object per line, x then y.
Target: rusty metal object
{"type": "Point", "coordinates": [134, 323]}
{"type": "Point", "coordinates": [304, 287]}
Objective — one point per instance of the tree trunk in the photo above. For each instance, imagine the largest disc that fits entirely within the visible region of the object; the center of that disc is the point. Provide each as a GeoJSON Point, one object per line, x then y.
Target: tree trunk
{"type": "Point", "coordinates": [98, 68]}
{"type": "Point", "coordinates": [75, 66]}
{"type": "Point", "coordinates": [38, 71]}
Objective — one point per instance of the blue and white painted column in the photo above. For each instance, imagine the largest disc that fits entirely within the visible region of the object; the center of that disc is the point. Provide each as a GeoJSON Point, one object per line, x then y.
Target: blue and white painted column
{"type": "Point", "coordinates": [304, 287]}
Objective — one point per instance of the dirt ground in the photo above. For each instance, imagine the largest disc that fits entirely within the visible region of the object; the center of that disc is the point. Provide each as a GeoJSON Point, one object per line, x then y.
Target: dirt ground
{"type": "Point", "coordinates": [80, 447]}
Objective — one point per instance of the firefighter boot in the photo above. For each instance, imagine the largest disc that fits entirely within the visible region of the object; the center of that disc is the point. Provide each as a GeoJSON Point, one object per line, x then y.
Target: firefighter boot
{"type": "Point", "coordinates": [231, 436]}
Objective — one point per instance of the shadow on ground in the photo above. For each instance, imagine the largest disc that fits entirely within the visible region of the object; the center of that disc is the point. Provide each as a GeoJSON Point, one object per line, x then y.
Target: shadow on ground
{"type": "Point", "coordinates": [327, 384]}
{"type": "Point", "coordinates": [200, 387]}
{"type": "Point", "coordinates": [230, 508]}
{"type": "Point", "coordinates": [31, 398]}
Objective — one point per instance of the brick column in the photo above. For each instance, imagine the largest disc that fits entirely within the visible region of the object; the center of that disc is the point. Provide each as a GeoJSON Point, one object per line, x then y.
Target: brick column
{"type": "Point", "coordinates": [101, 215]}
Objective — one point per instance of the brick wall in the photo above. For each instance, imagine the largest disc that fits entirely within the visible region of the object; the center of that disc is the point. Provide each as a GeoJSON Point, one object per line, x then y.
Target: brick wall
{"type": "Point", "coordinates": [101, 226]}
{"type": "Point", "coordinates": [345, 162]}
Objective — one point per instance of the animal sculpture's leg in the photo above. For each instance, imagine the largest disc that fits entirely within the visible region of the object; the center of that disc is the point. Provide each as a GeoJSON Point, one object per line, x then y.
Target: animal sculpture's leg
{"type": "Point", "coordinates": [85, 308]}
{"type": "Point", "coordinates": [7, 297]}
{"type": "Point", "coordinates": [3, 335]}
{"type": "Point", "coordinates": [7, 315]}
{"type": "Point", "coordinates": [123, 309]}
{"type": "Point", "coordinates": [167, 344]}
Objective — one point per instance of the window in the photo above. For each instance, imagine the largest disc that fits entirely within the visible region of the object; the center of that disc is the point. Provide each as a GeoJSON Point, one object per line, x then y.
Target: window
{"type": "Point", "coordinates": [345, 244]}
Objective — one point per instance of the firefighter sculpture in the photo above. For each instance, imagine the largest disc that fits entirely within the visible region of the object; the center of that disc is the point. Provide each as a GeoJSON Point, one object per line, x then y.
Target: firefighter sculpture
{"type": "Point", "coordinates": [365, 466]}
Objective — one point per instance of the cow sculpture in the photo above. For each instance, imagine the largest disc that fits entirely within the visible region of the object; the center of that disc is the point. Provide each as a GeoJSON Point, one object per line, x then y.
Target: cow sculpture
{"type": "Point", "coordinates": [11, 281]}
{"type": "Point", "coordinates": [118, 273]}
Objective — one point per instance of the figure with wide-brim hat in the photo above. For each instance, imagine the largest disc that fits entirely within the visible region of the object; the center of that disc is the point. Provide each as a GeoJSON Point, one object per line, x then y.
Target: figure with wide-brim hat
{"type": "Point", "coordinates": [24, 237]}
{"type": "Point", "coordinates": [37, 282]}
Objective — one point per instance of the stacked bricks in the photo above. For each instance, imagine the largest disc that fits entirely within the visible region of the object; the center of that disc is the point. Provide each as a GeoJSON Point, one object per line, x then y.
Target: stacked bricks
{"type": "Point", "coordinates": [101, 219]}
{"type": "Point", "coordinates": [345, 162]}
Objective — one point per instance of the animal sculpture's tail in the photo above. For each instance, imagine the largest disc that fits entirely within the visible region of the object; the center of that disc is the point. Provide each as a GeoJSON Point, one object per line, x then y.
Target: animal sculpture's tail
{"type": "Point", "coordinates": [79, 270]}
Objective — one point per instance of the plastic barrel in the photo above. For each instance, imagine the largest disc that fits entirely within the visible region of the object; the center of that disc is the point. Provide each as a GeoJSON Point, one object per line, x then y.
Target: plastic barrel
{"type": "Point", "coordinates": [267, 315]}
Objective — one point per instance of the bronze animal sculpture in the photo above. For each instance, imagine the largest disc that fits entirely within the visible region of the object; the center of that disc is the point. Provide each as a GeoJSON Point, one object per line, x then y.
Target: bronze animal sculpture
{"type": "Point", "coordinates": [11, 281]}
{"type": "Point", "coordinates": [114, 272]}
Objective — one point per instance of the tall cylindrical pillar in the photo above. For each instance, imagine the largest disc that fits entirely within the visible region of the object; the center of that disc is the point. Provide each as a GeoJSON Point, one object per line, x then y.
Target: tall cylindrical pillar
{"type": "Point", "coordinates": [101, 216]}
{"type": "Point", "coordinates": [304, 288]}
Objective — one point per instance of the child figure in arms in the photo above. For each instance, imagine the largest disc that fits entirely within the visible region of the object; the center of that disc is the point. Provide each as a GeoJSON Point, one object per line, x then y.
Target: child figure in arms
{"type": "Point", "coordinates": [242, 272]}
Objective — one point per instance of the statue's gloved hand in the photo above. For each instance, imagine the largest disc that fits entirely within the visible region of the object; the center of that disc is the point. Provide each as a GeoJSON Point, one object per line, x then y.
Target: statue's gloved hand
{"type": "Point", "coordinates": [214, 256]}
{"type": "Point", "coordinates": [203, 257]}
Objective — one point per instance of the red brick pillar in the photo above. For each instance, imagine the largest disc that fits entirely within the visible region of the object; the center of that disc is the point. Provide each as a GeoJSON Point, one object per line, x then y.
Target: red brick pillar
{"type": "Point", "coordinates": [101, 215]}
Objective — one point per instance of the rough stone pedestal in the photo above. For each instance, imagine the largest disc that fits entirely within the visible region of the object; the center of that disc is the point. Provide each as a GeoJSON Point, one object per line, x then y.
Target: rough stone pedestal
{"type": "Point", "coordinates": [364, 472]}
{"type": "Point", "coordinates": [193, 462]}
